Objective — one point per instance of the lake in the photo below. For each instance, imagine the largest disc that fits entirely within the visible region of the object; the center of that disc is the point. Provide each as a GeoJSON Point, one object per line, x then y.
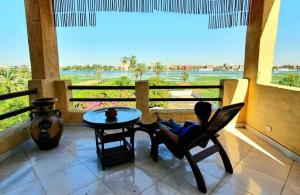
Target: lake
{"type": "Point", "coordinates": [168, 75]}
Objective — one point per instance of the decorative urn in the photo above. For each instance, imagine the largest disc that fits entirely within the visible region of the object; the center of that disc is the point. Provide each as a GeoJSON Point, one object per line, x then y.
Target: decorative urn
{"type": "Point", "coordinates": [46, 123]}
{"type": "Point", "coordinates": [111, 113]}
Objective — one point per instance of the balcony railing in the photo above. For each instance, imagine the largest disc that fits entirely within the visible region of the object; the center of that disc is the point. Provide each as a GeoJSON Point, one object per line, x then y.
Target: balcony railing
{"type": "Point", "coordinates": [79, 87]}
{"type": "Point", "coordinates": [15, 95]}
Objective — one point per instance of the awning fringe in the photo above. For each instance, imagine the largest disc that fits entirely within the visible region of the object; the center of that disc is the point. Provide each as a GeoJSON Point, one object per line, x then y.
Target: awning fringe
{"type": "Point", "coordinates": [221, 13]}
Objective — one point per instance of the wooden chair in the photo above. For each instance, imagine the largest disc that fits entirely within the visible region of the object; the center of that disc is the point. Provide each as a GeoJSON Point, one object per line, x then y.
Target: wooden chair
{"type": "Point", "coordinates": [200, 138]}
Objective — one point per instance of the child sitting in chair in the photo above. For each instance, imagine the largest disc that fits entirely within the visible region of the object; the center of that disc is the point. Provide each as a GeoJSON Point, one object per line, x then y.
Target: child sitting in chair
{"type": "Point", "coordinates": [177, 132]}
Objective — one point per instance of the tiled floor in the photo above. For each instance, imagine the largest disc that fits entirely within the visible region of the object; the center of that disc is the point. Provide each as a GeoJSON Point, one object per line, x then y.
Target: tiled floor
{"type": "Point", "coordinates": [73, 168]}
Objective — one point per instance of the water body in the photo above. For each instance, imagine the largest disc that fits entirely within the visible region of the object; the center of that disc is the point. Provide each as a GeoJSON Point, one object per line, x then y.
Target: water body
{"type": "Point", "coordinates": [167, 75]}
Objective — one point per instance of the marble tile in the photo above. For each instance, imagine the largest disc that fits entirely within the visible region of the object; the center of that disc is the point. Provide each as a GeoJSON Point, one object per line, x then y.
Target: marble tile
{"type": "Point", "coordinates": [77, 133]}
{"type": "Point", "coordinates": [15, 158]}
{"type": "Point", "coordinates": [235, 151]}
{"type": "Point", "coordinates": [260, 146]}
{"type": "Point", "coordinates": [254, 181]}
{"type": "Point", "coordinates": [51, 165]}
{"type": "Point", "coordinates": [85, 152]}
{"type": "Point", "coordinates": [265, 164]}
{"type": "Point", "coordinates": [32, 188]}
{"type": "Point", "coordinates": [161, 188]}
{"type": "Point", "coordinates": [74, 168]}
{"type": "Point", "coordinates": [73, 144]}
{"type": "Point", "coordinates": [16, 175]}
{"type": "Point", "coordinates": [34, 153]}
{"type": "Point", "coordinates": [226, 188]}
{"type": "Point", "coordinates": [291, 188]}
{"type": "Point", "coordinates": [96, 168]}
{"type": "Point", "coordinates": [294, 176]}
{"type": "Point", "coordinates": [184, 181]}
{"type": "Point", "coordinates": [94, 189]}
{"type": "Point", "coordinates": [165, 165]}
{"type": "Point", "coordinates": [213, 166]}
{"type": "Point", "coordinates": [272, 152]}
{"type": "Point", "coordinates": [130, 180]}
{"type": "Point", "coordinates": [142, 147]}
{"type": "Point", "coordinates": [68, 181]}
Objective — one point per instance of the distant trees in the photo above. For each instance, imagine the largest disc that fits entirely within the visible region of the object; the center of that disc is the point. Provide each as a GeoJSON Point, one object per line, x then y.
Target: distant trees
{"type": "Point", "coordinates": [132, 62]}
{"type": "Point", "coordinates": [13, 79]}
{"type": "Point", "coordinates": [99, 74]}
{"type": "Point", "coordinates": [88, 67]}
{"type": "Point", "coordinates": [124, 61]}
{"type": "Point", "coordinates": [158, 68]}
{"type": "Point", "coordinates": [185, 76]}
{"type": "Point", "coordinates": [139, 70]}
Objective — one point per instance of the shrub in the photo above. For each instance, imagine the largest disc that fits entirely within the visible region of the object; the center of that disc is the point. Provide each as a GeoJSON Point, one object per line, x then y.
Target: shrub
{"type": "Point", "coordinates": [292, 80]}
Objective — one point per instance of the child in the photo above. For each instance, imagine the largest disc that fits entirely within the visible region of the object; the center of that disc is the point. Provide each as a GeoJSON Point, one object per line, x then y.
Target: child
{"type": "Point", "coordinates": [177, 132]}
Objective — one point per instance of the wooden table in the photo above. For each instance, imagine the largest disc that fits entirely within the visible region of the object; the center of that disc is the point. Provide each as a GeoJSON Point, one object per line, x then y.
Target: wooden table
{"type": "Point", "coordinates": [125, 121]}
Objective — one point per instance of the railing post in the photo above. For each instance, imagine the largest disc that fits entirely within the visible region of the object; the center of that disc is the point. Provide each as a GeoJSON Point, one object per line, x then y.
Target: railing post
{"type": "Point", "coordinates": [63, 95]}
{"type": "Point", "coordinates": [142, 99]}
{"type": "Point", "coordinates": [44, 88]}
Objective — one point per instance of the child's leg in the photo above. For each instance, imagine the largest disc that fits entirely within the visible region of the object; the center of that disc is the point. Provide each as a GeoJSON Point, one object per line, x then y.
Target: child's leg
{"type": "Point", "coordinates": [174, 126]}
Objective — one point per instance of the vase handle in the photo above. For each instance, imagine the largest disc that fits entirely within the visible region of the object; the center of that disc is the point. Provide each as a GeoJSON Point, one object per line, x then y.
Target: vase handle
{"type": "Point", "coordinates": [57, 113]}
{"type": "Point", "coordinates": [32, 115]}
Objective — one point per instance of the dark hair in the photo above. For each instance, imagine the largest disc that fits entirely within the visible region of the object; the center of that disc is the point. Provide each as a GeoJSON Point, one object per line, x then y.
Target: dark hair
{"type": "Point", "coordinates": [203, 110]}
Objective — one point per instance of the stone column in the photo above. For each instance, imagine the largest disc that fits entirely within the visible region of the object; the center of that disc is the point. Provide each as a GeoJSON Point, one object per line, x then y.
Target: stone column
{"type": "Point", "coordinates": [261, 40]}
{"type": "Point", "coordinates": [42, 46]}
{"type": "Point", "coordinates": [63, 95]}
{"type": "Point", "coordinates": [142, 99]}
{"type": "Point", "coordinates": [235, 91]}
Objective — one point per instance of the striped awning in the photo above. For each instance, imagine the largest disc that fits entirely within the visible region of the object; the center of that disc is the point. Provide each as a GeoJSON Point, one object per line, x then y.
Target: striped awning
{"type": "Point", "coordinates": [221, 13]}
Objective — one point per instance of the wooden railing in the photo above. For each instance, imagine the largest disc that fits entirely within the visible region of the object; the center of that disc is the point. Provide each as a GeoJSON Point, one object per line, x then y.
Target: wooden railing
{"type": "Point", "coordinates": [77, 87]}
{"type": "Point", "coordinates": [15, 95]}
{"type": "Point", "coordinates": [186, 87]}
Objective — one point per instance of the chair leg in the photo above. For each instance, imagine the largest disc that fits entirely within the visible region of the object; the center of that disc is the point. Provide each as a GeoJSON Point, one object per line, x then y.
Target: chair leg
{"type": "Point", "coordinates": [197, 173]}
{"type": "Point", "coordinates": [154, 150]}
{"type": "Point", "coordinates": [224, 156]}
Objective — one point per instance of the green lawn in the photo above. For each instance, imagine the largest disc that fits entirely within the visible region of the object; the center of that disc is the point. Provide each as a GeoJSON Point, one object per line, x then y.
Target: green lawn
{"type": "Point", "coordinates": [13, 104]}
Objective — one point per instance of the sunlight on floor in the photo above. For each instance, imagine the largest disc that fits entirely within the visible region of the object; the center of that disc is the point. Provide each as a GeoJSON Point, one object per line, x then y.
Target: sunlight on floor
{"type": "Point", "coordinates": [239, 134]}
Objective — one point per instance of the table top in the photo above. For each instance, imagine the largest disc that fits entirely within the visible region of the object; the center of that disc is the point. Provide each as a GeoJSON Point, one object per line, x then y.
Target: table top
{"type": "Point", "coordinates": [97, 119]}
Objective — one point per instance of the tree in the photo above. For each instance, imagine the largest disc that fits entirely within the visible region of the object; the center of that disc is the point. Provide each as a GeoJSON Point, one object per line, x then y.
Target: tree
{"type": "Point", "coordinates": [99, 73]}
{"type": "Point", "coordinates": [139, 70]}
{"type": "Point", "coordinates": [291, 80]}
{"type": "Point", "coordinates": [123, 81]}
{"type": "Point", "coordinates": [124, 61]}
{"type": "Point", "coordinates": [11, 81]}
{"type": "Point", "coordinates": [185, 76]}
{"type": "Point", "coordinates": [158, 68]}
{"type": "Point", "coordinates": [132, 62]}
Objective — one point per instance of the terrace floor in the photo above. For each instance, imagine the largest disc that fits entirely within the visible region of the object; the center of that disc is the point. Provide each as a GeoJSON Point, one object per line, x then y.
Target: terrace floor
{"type": "Point", "coordinates": [73, 168]}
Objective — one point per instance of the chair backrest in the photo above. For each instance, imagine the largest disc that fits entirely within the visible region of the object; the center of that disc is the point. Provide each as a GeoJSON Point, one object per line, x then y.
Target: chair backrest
{"type": "Point", "coordinates": [222, 117]}
{"type": "Point", "coordinates": [218, 121]}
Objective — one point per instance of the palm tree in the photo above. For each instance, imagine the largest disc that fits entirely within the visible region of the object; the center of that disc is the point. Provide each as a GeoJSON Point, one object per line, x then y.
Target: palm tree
{"type": "Point", "coordinates": [124, 61]}
{"type": "Point", "coordinates": [132, 62]}
{"type": "Point", "coordinates": [99, 73]}
{"type": "Point", "coordinates": [12, 81]}
{"type": "Point", "coordinates": [185, 76]}
{"type": "Point", "coordinates": [158, 68]}
{"type": "Point", "coordinates": [139, 70]}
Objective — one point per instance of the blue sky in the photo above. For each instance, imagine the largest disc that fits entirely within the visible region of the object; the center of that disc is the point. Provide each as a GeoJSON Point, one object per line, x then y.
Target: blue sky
{"type": "Point", "coordinates": [164, 37]}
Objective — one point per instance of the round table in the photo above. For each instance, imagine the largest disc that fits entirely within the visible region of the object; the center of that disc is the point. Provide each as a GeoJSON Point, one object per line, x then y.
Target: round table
{"type": "Point", "coordinates": [125, 120]}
